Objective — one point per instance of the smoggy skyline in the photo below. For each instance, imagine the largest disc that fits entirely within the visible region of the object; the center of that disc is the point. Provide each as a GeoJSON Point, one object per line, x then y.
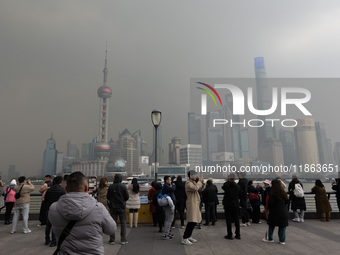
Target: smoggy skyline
{"type": "Point", "coordinates": [52, 57]}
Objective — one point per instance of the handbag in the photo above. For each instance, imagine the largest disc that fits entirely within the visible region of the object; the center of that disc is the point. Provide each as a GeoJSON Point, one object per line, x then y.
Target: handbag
{"type": "Point", "coordinates": [64, 234]}
{"type": "Point", "coordinates": [253, 197]}
{"type": "Point", "coordinates": [161, 199]}
{"type": "Point", "coordinates": [17, 195]}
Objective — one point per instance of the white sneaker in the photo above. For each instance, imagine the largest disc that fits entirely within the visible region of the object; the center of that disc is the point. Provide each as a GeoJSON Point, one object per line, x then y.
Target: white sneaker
{"type": "Point", "coordinates": [248, 223]}
{"type": "Point", "coordinates": [186, 242]}
{"type": "Point", "coordinates": [243, 225]}
{"type": "Point", "coordinates": [267, 241]}
{"type": "Point", "coordinates": [302, 220]}
{"type": "Point", "coordinates": [192, 240]}
{"type": "Point", "coordinates": [12, 232]}
{"type": "Point", "coordinates": [27, 231]}
{"type": "Point", "coordinates": [296, 219]}
{"type": "Point", "coordinates": [282, 243]}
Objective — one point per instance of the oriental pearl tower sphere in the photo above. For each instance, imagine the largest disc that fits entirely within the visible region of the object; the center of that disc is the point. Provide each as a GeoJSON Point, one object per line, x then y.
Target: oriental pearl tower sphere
{"type": "Point", "coordinates": [102, 148]}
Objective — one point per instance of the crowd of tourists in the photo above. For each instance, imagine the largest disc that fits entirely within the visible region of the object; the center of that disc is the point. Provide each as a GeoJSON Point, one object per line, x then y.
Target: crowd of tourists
{"type": "Point", "coordinates": [72, 215]}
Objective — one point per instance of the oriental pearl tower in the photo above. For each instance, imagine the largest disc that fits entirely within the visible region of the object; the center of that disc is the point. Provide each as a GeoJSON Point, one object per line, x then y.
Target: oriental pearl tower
{"type": "Point", "coordinates": [102, 148]}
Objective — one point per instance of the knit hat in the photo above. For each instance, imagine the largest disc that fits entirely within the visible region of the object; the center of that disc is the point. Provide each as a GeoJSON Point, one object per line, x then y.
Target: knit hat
{"type": "Point", "coordinates": [13, 182]}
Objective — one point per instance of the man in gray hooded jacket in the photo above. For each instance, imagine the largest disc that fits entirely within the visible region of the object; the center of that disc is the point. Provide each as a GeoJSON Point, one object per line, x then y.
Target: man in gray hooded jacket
{"type": "Point", "coordinates": [92, 218]}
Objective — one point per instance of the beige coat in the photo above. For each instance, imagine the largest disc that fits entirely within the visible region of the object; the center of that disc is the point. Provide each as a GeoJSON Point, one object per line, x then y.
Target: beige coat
{"type": "Point", "coordinates": [24, 194]}
{"type": "Point", "coordinates": [102, 197]}
{"type": "Point", "coordinates": [193, 201]}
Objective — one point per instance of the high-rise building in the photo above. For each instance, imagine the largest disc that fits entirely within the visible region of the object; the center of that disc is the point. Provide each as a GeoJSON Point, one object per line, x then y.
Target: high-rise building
{"type": "Point", "coordinates": [126, 148]}
{"type": "Point", "coordinates": [174, 146]}
{"type": "Point", "coordinates": [12, 173]}
{"type": "Point", "coordinates": [264, 100]}
{"type": "Point", "coordinates": [194, 128]}
{"type": "Point", "coordinates": [306, 142]}
{"type": "Point", "coordinates": [271, 151]}
{"type": "Point", "coordinates": [323, 143]}
{"type": "Point", "coordinates": [288, 146]}
{"type": "Point", "coordinates": [191, 154]}
{"type": "Point", "coordinates": [49, 163]}
{"type": "Point", "coordinates": [336, 153]}
{"type": "Point", "coordinates": [72, 154]}
{"type": "Point", "coordinates": [60, 163]}
{"type": "Point", "coordinates": [215, 135]}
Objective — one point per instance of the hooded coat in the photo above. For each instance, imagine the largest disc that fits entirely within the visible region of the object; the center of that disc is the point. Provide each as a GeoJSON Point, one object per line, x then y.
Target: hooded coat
{"type": "Point", "coordinates": [86, 237]}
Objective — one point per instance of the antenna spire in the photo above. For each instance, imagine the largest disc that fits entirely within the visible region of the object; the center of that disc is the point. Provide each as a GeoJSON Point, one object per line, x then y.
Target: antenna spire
{"type": "Point", "coordinates": [105, 71]}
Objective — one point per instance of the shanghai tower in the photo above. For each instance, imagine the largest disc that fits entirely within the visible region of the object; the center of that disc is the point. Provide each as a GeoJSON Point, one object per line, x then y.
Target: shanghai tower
{"type": "Point", "coordinates": [264, 100]}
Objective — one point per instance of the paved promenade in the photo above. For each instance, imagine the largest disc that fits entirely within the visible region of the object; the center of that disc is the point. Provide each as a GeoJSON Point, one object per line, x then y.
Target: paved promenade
{"type": "Point", "coordinates": [311, 237]}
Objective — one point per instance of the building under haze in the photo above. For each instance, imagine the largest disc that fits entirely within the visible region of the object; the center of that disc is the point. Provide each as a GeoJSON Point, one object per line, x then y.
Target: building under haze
{"type": "Point", "coordinates": [191, 154]}
{"type": "Point", "coordinates": [97, 153]}
{"type": "Point", "coordinates": [174, 147]}
{"type": "Point", "coordinates": [306, 142]}
{"type": "Point", "coordinates": [325, 156]}
{"type": "Point", "coordinates": [288, 146]}
{"type": "Point", "coordinates": [49, 163]}
{"type": "Point", "coordinates": [194, 128]}
{"type": "Point", "coordinates": [12, 173]}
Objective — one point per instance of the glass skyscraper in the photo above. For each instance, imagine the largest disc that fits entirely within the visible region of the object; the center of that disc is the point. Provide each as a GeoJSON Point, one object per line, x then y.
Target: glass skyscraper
{"type": "Point", "coordinates": [49, 158]}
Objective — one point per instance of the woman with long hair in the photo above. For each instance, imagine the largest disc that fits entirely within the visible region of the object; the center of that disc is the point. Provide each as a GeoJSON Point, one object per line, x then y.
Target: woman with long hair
{"type": "Point", "coordinates": [278, 212]}
{"type": "Point", "coordinates": [133, 203]}
{"type": "Point", "coordinates": [152, 207]}
{"type": "Point", "coordinates": [322, 203]}
{"type": "Point", "coordinates": [102, 192]}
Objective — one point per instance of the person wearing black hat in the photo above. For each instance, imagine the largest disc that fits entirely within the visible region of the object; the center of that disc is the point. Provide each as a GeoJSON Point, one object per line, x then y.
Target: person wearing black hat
{"type": "Point", "coordinates": [231, 201]}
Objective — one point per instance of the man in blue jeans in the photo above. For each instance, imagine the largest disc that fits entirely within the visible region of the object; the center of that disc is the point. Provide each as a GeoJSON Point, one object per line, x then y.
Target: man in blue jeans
{"type": "Point", "coordinates": [117, 195]}
{"type": "Point", "coordinates": [22, 204]}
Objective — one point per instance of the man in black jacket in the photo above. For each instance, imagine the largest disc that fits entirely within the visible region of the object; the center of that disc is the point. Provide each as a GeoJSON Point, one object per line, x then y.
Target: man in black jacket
{"type": "Point", "coordinates": [208, 196]}
{"type": "Point", "coordinates": [52, 195]}
{"type": "Point", "coordinates": [243, 183]}
{"type": "Point", "coordinates": [231, 200]}
{"type": "Point", "coordinates": [181, 197]}
{"type": "Point", "coordinates": [117, 195]}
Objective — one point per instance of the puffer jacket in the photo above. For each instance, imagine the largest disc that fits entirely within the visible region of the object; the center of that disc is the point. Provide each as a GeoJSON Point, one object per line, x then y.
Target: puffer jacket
{"type": "Point", "coordinates": [92, 221]}
{"type": "Point", "coordinates": [133, 202]}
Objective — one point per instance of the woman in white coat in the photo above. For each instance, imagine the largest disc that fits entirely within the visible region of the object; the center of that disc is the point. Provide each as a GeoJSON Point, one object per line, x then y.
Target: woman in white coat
{"type": "Point", "coordinates": [133, 203]}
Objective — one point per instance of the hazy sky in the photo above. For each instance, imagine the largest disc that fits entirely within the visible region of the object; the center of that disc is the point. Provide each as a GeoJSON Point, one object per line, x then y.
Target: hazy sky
{"type": "Point", "coordinates": [52, 57]}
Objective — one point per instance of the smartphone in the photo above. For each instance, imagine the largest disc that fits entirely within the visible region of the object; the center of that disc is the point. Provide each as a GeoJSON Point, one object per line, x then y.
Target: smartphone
{"type": "Point", "coordinates": [28, 179]}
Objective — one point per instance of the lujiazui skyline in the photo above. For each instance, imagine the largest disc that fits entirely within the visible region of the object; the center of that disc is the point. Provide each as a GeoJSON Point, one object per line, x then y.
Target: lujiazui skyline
{"type": "Point", "coordinates": [52, 56]}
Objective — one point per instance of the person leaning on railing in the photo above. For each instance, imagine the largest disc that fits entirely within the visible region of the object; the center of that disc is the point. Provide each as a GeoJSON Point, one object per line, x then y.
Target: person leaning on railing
{"type": "Point", "coordinates": [336, 188]}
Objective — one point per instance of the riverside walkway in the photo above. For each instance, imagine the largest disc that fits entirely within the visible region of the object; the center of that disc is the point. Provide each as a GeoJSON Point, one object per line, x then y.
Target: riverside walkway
{"type": "Point", "coordinates": [310, 237]}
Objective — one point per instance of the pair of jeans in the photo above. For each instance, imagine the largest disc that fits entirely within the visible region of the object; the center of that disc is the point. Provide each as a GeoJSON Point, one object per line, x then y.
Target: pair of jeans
{"type": "Point", "coordinates": [232, 215]}
{"type": "Point", "coordinates": [302, 214]}
{"type": "Point", "coordinates": [282, 233]}
{"type": "Point", "coordinates": [210, 212]}
{"type": "Point", "coordinates": [9, 207]}
{"type": "Point", "coordinates": [189, 229]}
{"type": "Point", "coordinates": [245, 217]}
{"type": "Point", "coordinates": [169, 217]}
{"type": "Point", "coordinates": [48, 230]}
{"type": "Point", "coordinates": [24, 210]}
{"type": "Point", "coordinates": [115, 213]}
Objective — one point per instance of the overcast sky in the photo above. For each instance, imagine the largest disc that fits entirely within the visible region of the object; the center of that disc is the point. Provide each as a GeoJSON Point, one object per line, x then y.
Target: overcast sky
{"type": "Point", "coordinates": [52, 57]}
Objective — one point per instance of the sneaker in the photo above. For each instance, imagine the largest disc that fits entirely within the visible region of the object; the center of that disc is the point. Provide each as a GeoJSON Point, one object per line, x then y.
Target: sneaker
{"type": "Point", "coordinates": [283, 243]}
{"type": "Point", "coordinates": [228, 237]}
{"type": "Point", "coordinates": [172, 235]}
{"type": "Point", "coordinates": [112, 242]}
{"type": "Point", "coordinates": [47, 242]}
{"type": "Point", "coordinates": [172, 227]}
{"type": "Point", "coordinates": [302, 220]}
{"type": "Point", "coordinates": [167, 237]}
{"type": "Point", "coordinates": [296, 219]}
{"type": "Point", "coordinates": [53, 244]}
{"type": "Point", "coordinates": [267, 240]}
{"type": "Point", "coordinates": [27, 231]}
{"type": "Point", "coordinates": [12, 232]}
{"type": "Point", "coordinates": [186, 242]}
{"type": "Point", "coordinates": [192, 240]}
{"type": "Point", "coordinates": [123, 243]}
{"type": "Point", "coordinates": [248, 223]}
{"type": "Point", "coordinates": [182, 227]}
{"type": "Point", "coordinates": [238, 237]}
{"type": "Point", "coordinates": [243, 225]}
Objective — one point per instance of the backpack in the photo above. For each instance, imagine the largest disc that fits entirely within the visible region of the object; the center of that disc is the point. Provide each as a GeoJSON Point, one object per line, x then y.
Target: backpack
{"type": "Point", "coordinates": [253, 197]}
{"type": "Point", "coordinates": [162, 199]}
{"type": "Point", "coordinates": [298, 191]}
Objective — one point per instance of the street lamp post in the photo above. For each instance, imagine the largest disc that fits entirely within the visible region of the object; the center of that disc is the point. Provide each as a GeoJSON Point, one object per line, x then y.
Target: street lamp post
{"type": "Point", "coordinates": [156, 117]}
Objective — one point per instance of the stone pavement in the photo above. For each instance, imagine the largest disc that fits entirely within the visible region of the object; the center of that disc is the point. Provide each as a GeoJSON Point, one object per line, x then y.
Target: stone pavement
{"type": "Point", "coordinates": [310, 237]}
